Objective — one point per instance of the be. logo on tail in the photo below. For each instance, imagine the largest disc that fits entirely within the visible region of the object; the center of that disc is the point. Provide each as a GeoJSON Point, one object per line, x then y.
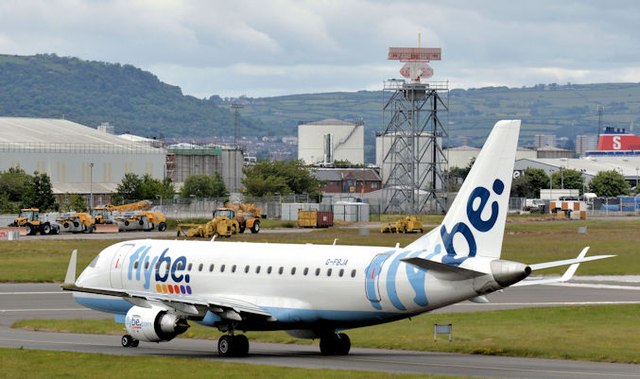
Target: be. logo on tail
{"type": "Point", "coordinates": [476, 204]}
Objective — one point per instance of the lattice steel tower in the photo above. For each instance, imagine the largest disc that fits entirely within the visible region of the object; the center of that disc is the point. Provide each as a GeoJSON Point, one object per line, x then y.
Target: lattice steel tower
{"type": "Point", "coordinates": [413, 161]}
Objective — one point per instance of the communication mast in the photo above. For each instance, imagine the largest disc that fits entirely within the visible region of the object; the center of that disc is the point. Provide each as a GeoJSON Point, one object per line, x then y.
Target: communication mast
{"type": "Point", "coordinates": [413, 163]}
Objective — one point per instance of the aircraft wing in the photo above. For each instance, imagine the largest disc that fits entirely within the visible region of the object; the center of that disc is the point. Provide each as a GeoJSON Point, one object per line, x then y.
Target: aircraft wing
{"type": "Point", "coordinates": [574, 264]}
{"type": "Point", "coordinates": [227, 307]}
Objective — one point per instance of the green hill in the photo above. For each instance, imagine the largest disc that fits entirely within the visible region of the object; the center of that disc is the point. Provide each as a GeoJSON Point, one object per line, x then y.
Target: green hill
{"type": "Point", "coordinates": [136, 101]}
{"type": "Point", "coordinates": [94, 92]}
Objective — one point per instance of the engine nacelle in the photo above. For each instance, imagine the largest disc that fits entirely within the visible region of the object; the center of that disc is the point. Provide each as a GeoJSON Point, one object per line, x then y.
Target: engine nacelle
{"type": "Point", "coordinates": [154, 324]}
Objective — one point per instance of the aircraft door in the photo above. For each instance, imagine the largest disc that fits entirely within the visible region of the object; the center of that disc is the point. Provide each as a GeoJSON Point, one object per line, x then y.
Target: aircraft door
{"type": "Point", "coordinates": [118, 264]}
{"type": "Point", "coordinates": [372, 276]}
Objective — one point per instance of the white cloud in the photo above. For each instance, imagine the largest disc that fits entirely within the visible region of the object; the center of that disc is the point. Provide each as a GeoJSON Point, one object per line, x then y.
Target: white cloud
{"type": "Point", "coordinates": [260, 48]}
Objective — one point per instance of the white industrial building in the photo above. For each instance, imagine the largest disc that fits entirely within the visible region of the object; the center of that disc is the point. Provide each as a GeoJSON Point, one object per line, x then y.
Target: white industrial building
{"type": "Point", "coordinates": [461, 156]}
{"type": "Point", "coordinates": [330, 140]}
{"type": "Point", "coordinates": [77, 158]}
{"type": "Point", "coordinates": [629, 167]}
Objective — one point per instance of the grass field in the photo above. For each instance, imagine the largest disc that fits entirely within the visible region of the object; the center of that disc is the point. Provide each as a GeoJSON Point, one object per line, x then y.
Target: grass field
{"type": "Point", "coordinates": [593, 333]}
{"type": "Point", "coordinates": [34, 364]}
{"type": "Point", "coordinates": [529, 242]}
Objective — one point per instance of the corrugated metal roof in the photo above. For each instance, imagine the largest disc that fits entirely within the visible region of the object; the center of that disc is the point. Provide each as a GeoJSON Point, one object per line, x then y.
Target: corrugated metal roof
{"type": "Point", "coordinates": [337, 174]}
{"type": "Point", "coordinates": [60, 135]}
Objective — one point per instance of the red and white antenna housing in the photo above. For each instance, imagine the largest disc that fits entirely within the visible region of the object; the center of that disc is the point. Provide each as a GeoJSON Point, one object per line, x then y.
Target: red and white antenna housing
{"type": "Point", "coordinates": [416, 58]}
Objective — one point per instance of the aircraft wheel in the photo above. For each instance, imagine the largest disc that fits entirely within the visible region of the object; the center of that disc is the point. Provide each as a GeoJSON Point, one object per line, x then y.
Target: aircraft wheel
{"type": "Point", "coordinates": [335, 344]}
{"type": "Point", "coordinates": [225, 346]}
{"type": "Point", "coordinates": [343, 344]}
{"type": "Point", "coordinates": [328, 344]}
{"type": "Point", "coordinates": [241, 345]}
{"type": "Point", "coordinates": [127, 341]}
{"type": "Point", "coordinates": [135, 343]}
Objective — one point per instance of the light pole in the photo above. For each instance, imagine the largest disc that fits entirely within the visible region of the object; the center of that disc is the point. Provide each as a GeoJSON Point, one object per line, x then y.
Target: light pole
{"type": "Point", "coordinates": [90, 186]}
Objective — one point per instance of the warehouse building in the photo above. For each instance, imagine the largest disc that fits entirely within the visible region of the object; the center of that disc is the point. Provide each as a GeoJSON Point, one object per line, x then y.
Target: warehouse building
{"type": "Point", "coordinates": [77, 158]}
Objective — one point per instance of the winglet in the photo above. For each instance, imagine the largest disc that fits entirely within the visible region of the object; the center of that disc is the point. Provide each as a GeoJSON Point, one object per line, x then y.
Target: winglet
{"type": "Point", "coordinates": [574, 267]}
{"type": "Point", "coordinates": [71, 270]}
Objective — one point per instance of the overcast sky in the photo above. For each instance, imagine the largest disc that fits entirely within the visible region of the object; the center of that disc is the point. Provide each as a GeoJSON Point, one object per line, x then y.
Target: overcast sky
{"type": "Point", "coordinates": [268, 48]}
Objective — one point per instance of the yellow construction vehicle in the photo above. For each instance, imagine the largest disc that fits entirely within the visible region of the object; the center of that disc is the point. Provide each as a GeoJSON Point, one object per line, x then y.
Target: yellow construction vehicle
{"type": "Point", "coordinates": [29, 218]}
{"type": "Point", "coordinates": [104, 214]}
{"type": "Point", "coordinates": [75, 222]}
{"type": "Point", "coordinates": [407, 224]}
{"type": "Point", "coordinates": [141, 220]}
{"type": "Point", "coordinates": [219, 226]}
{"type": "Point", "coordinates": [242, 216]}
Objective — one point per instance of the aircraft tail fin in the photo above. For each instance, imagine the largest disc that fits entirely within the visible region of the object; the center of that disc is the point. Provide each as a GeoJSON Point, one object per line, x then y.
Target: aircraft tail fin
{"type": "Point", "coordinates": [474, 225]}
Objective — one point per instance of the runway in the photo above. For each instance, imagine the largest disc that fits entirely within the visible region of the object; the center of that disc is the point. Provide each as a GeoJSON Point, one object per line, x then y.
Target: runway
{"type": "Point", "coordinates": [28, 301]}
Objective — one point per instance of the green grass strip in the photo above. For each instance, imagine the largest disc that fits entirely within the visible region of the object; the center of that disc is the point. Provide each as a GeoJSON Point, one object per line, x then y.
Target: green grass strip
{"type": "Point", "coordinates": [34, 364]}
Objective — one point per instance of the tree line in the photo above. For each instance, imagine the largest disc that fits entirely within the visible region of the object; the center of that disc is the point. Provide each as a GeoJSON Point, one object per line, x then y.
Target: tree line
{"type": "Point", "coordinates": [20, 190]}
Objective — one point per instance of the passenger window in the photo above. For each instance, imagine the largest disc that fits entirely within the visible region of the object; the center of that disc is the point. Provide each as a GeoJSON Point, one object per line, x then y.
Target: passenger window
{"type": "Point", "coordinates": [135, 265]}
{"type": "Point", "coordinates": [222, 268]}
{"type": "Point", "coordinates": [211, 268]}
{"type": "Point", "coordinates": [189, 266]}
{"type": "Point", "coordinates": [353, 273]}
{"type": "Point", "coordinates": [293, 270]}
{"type": "Point", "coordinates": [146, 265]}
{"type": "Point", "coordinates": [306, 271]}
{"type": "Point", "coordinates": [269, 270]}
{"type": "Point", "coordinates": [200, 266]}
{"type": "Point", "coordinates": [280, 270]}
{"type": "Point", "coordinates": [233, 268]}
{"type": "Point", "coordinates": [257, 269]}
{"type": "Point", "coordinates": [341, 272]}
{"type": "Point", "coordinates": [246, 269]}
{"type": "Point", "coordinates": [328, 272]}
{"type": "Point", "coordinates": [317, 271]}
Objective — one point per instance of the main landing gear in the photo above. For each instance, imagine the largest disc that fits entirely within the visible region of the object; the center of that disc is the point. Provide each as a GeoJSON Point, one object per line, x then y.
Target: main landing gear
{"type": "Point", "coordinates": [233, 345]}
{"type": "Point", "coordinates": [128, 341]}
{"type": "Point", "coordinates": [335, 344]}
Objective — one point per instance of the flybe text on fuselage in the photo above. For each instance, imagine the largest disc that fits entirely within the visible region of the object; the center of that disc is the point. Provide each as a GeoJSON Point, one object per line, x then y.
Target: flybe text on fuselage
{"type": "Point", "coordinates": [166, 272]}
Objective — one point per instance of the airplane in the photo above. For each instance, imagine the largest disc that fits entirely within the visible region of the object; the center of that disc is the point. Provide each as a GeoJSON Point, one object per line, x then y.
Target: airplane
{"type": "Point", "coordinates": [156, 287]}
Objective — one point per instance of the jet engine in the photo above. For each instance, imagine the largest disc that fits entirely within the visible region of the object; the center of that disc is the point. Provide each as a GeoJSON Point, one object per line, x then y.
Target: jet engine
{"type": "Point", "coordinates": [154, 324]}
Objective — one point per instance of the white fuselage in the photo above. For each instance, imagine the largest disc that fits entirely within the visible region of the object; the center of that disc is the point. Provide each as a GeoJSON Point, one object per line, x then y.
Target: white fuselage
{"type": "Point", "coordinates": [302, 286]}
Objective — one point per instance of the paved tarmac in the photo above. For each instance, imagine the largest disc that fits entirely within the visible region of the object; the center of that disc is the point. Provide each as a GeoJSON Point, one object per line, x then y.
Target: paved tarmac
{"type": "Point", "coordinates": [46, 301]}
